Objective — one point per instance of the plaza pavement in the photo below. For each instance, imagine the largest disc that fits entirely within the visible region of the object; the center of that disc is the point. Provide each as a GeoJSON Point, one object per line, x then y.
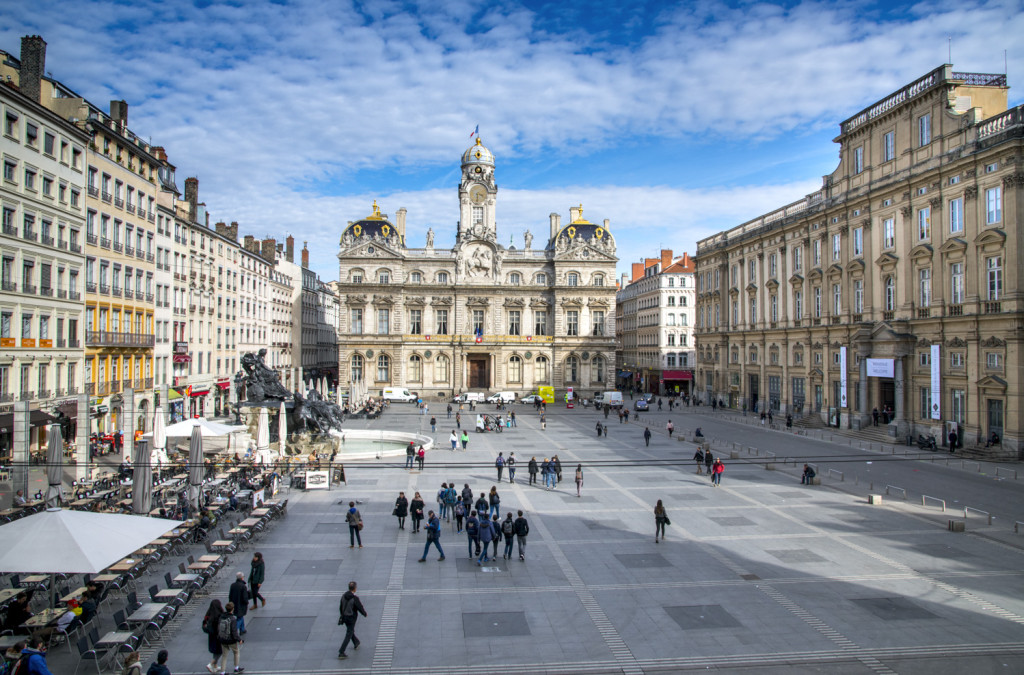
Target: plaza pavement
{"type": "Point", "coordinates": [762, 575]}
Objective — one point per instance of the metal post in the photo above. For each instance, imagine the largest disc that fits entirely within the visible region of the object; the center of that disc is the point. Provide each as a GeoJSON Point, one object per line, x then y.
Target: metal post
{"type": "Point", "coordinates": [20, 452]}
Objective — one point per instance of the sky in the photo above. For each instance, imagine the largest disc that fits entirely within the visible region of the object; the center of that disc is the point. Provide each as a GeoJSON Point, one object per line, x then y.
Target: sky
{"type": "Point", "coordinates": [672, 120]}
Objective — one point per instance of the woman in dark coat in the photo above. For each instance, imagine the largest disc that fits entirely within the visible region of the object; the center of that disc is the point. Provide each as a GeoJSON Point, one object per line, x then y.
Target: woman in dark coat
{"type": "Point", "coordinates": [401, 510]}
{"type": "Point", "coordinates": [417, 512]}
{"type": "Point", "coordinates": [256, 573]}
{"type": "Point", "coordinates": [532, 467]}
{"type": "Point", "coordinates": [210, 627]}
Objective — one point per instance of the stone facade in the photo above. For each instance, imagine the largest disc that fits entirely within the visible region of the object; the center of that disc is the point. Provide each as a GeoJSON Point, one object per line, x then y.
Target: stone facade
{"type": "Point", "coordinates": [912, 243]}
{"type": "Point", "coordinates": [478, 316]}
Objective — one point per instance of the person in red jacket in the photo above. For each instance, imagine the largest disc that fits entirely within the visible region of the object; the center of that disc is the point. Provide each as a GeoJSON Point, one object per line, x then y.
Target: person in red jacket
{"type": "Point", "coordinates": [716, 472]}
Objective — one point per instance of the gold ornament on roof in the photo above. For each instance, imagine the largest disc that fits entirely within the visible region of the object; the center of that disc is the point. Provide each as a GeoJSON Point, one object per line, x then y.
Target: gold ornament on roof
{"type": "Point", "coordinates": [376, 212]}
{"type": "Point", "coordinates": [571, 231]}
{"type": "Point", "coordinates": [599, 232]}
{"type": "Point", "coordinates": [579, 217]}
{"type": "Point", "coordinates": [385, 230]}
{"type": "Point", "coordinates": [357, 230]}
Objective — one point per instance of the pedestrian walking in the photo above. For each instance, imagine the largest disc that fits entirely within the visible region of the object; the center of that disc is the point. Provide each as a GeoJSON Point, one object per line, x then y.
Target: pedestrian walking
{"type": "Point", "coordinates": [495, 534]}
{"type": "Point", "coordinates": [454, 440]}
{"type": "Point", "coordinates": [483, 507]}
{"type": "Point", "coordinates": [401, 510]}
{"type": "Point", "coordinates": [671, 427]}
{"type": "Point", "coordinates": [546, 473]}
{"type": "Point", "coordinates": [522, 529]}
{"type": "Point", "coordinates": [464, 439]}
{"type": "Point", "coordinates": [709, 460]}
{"type": "Point", "coordinates": [508, 531]}
{"type": "Point", "coordinates": [410, 454]}
{"type": "Point", "coordinates": [355, 525]}
{"type": "Point", "coordinates": [717, 469]}
{"type": "Point", "coordinates": [699, 458]}
{"type": "Point", "coordinates": [763, 418]}
{"type": "Point", "coordinates": [257, 570]}
{"type": "Point", "coordinates": [460, 514]}
{"type": "Point", "coordinates": [449, 411]}
{"type": "Point", "coordinates": [467, 496]}
{"type": "Point", "coordinates": [433, 536]}
{"type": "Point", "coordinates": [510, 463]}
{"type": "Point", "coordinates": [543, 422]}
{"type": "Point", "coordinates": [494, 501]}
{"type": "Point", "coordinates": [770, 417]}
{"type": "Point", "coordinates": [604, 429]}
{"type": "Point", "coordinates": [874, 416]}
{"type": "Point", "coordinates": [486, 532]}
{"type": "Point", "coordinates": [531, 468]}
{"type": "Point", "coordinates": [647, 436]}
{"type": "Point", "coordinates": [213, 645]}
{"type": "Point", "coordinates": [557, 468]}
{"type": "Point", "coordinates": [350, 608]}
{"type": "Point", "coordinates": [512, 418]}
{"type": "Point", "coordinates": [229, 636]}
{"type": "Point", "coordinates": [416, 508]}
{"type": "Point", "coordinates": [473, 534]}
{"type": "Point", "coordinates": [579, 480]}
{"type": "Point", "coordinates": [421, 457]}
{"type": "Point", "coordinates": [599, 428]}
{"type": "Point", "coordinates": [238, 595]}
{"type": "Point", "coordinates": [158, 667]}
{"type": "Point", "coordinates": [442, 505]}
{"type": "Point", "coordinates": [499, 464]}
{"type": "Point", "coordinates": [458, 420]}
{"type": "Point", "coordinates": [789, 421]}
{"type": "Point", "coordinates": [433, 424]}
{"type": "Point", "coordinates": [660, 521]}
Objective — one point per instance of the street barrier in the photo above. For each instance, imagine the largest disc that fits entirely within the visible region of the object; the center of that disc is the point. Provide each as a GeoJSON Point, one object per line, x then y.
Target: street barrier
{"type": "Point", "coordinates": [978, 511]}
{"type": "Point", "coordinates": [894, 488]}
{"type": "Point", "coordinates": [942, 502]}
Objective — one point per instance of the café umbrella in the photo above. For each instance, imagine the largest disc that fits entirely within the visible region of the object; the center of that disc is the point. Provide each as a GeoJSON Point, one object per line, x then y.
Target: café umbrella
{"type": "Point", "coordinates": [142, 479]}
{"type": "Point", "coordinates": [54, 467]}
{"type": "Point", "coordinates": [282, 428]}
{"type": "Point", "coordinates": [160, 438]}
{"type": "Point", "coordinates": [59, 541]}
{"type": "Point", "coordinates": [195, 467]}
{"type": "Point", "coordinates": [263, 436]}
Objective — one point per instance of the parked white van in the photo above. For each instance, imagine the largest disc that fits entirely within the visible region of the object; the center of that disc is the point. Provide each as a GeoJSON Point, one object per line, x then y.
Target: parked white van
{"type": "Point", "coordinates": [475, 396]}
{"type": "Point", "coordinates": [502, 396]}
{"type": "Point", "coordinates": [398, 394]}
{"type": "Point", "coordinates": [609, 398]}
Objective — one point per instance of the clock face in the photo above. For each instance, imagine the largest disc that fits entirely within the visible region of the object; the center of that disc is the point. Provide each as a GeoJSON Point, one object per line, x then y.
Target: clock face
{"type": "Point", "coordinates": [478, 194]}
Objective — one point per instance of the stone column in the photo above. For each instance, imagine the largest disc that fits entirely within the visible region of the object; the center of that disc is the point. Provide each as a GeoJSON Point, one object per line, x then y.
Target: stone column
{"type": "Point", "coordinates": [82, 439]}
{"type": "Point", "coordinates": [128, 422]}
{"type": "Point", "coordinates": [20, 452]}
{"type": "Point", "coordinates": [899, 387]}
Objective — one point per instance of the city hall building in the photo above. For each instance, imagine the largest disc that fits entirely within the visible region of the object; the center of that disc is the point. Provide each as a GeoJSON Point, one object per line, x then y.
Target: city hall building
{"type": "Point", "coordinates": [896, 286]}
{"type": "Point", "coordinates": [477, 316]}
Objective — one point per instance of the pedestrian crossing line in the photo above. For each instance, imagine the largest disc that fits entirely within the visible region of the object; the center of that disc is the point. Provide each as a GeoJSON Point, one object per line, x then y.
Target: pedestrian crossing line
{"type": "Point", "coordinates": [876, 666]}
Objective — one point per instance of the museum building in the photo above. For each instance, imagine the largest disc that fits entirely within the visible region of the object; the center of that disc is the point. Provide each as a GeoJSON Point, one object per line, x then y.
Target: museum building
{"type": "Point", "coordinates": [896, 286]}
{"type": "Point", "coordinates": [477, 316]}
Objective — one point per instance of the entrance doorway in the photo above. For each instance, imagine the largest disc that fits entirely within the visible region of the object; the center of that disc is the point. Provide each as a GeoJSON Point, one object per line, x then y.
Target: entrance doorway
{"type": "Point", "coordinates": [754, 394]}
{"type": "Point", "coordinates": [479, 372]}
{"type": "Point", "coordinates": [887, 395]}
{"type": "Point", "coordinates": [995, 417]}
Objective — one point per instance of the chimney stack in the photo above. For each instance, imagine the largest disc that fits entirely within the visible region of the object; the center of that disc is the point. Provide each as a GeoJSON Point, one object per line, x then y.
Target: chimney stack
{"type": "Point", "coordinates": [119, 113]}
{"type": "Point", "coordinates": [159, 153]}
{"type": "Point", "coordinates": [400, 222]}
{"type": "Point", "coordinates": [638, 272]}
{"type": "Point", "coordinates": [556, 222]}
{"type": "Point", "coordinates": [249, 242]}
{"type": "Point", "coordinates": [666, 258]}
{"type": "Point", "coordinates": [192, 197]}
{"type": "Point", "coordinates": [33, 66]}
{"type": "Point", "coordinates": [267, 250]}
{"type": "Point", "coordinates": [574, 214]}
{"type": "Point", "coordinates": [305, 255]}
{"type": "Point", "coordinates": [289, 248]}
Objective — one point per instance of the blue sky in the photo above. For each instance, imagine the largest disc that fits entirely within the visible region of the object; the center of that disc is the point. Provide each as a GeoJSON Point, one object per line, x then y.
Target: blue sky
{"type": "Point", "coordinates": [674, 121]}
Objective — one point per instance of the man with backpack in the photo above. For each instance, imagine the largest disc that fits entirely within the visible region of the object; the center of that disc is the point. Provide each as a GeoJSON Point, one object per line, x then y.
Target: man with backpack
{"type": "Point", "coordinates": [229, 636]}
{"type": "Point", "coordinates": [486, 534]}
{"type": "Point", "coordinates": [351, 607]}
{"type": "Point", "coordinates": [442, 501]}
{"type": "Point", "coordinates": [522, 528]}
{"type": "Point", "coordinates": [433, 537]}
{"type": "Point", "coordinates": [499, 464]}
{"type": "Point", "coordinates": [473, 533]}
{"type": "Point", "coordinates": [32, 659]}
{"type": "Point", "coordinates": [238, 594]}
{"type": "Point", "coordinates": [508, 530]}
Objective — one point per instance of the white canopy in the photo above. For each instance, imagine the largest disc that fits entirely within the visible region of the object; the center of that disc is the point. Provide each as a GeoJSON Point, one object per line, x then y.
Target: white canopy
{"type": "Point", "coordinates": [206, 428]}
{"type": "Point", "coordinates": [75, 542]}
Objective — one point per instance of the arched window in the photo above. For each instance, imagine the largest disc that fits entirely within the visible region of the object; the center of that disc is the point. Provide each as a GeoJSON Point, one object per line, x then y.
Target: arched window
{"type": "Point", "coordinates": [515, 369]}
{"type": "Point", "coordinates": [572, 369]}
{"type": "Point", "coordinates": [599, 280]}
{"type": "Point", "coordinates": [890, 293]}
{"type": "Point", "coordinates": [515, 279]}
{"type": "Point", "coordinates": [442, 369]}
{"type": "Point", "coordinates": [572, 279]}
{"type": "Point", "coordinates": [357, 368]}
{"type": "Point", "coordinates": [415, 368]}
{"type": "Point", "coordinates": [383, 368]}
{"type": "Point", "coordinates": [356, 276]}
{"type": "Point", "coordinates": [541, 279]}
{"type": "Point", "coordinates": [540, 370]}
{"type": "Point", "coordinates": [442, 277]}
{"type": "Point", "coordinates": [597, 369]}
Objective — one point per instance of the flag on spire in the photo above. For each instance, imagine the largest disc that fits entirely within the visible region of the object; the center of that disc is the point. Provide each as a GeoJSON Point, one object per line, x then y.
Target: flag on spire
{"type": "Point", "coordinates": [476, 131]}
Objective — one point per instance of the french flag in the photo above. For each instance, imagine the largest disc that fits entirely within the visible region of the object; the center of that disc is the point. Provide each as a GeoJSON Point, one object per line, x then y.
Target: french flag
{"type": "Point", "coordinates": [475, 131]}
{"type": "Point", "coordinates": [479, 335]}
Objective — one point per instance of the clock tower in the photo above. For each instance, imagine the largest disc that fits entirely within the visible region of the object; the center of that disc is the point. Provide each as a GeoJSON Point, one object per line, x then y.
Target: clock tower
{"type": "Point", "coordinates": [477, 193]}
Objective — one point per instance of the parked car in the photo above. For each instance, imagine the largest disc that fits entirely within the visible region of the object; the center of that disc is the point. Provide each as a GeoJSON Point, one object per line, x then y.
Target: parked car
{"type": "Point", "coordinates": [531, 399]}
{"type": "Point", "coordinates": [648, 397]}
{"type": "Point", "coordinates": [641, 404]}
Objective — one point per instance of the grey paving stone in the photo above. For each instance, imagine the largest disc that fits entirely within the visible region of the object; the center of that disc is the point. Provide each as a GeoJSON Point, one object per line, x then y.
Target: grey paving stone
{"type": "Point", "coordinates": [603, 524]}
{"type": "Point", "coordinates": [470, 566]}
{"type": "Point", "coordinates": [702, 617]}
{"type": "Point", "coordinates": [642, 560]}
{"type": "Point", "coordinates": [943, 551]}
{"type": "Point", "coordinates": [573, 499]}
{"type": "Point", "coordinates": [793, 495]}
{"type": "Point", "coordinates": [494, 624]}
{"type": "Point", "coordinates": [362, 481]}
{"type": "Point", "coordinates": [315, 567]}
{"type": "Point", "coordinates": [278, 628]}
{"type": "Point", "coordinates": [796, 555]}
{"type": "Point", "coordinates": [689, 497]}
{"type": "Point", "coordinates": [894, 609]}
{"type": "Point", "coordinates": [330, 528]}
{"type": "Point", "coordinates": [732, 521]}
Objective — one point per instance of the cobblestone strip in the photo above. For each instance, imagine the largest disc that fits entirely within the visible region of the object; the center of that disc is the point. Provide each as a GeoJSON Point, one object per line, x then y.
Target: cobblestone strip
{"type": "Point", "coordinates": [616, 645]}
{"type": "Point", "coordinates": [384, 650]}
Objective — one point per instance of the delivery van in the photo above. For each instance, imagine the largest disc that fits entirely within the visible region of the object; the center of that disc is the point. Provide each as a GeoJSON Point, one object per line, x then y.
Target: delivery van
{"type": "Point", "coordinates": [399, 394]}
{"type": "Point", "coordinates": [469, 396]}
{"type": "Point", "coordinates": [609, 398]}
{"type": "Point", "coordinates": [503, 397]}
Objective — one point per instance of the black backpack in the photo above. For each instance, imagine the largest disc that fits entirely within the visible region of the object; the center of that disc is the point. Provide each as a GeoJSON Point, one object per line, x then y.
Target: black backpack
{"type": "Point", "coordinates": [507, 528]}
{"type": "Point", "coordinates": [224, 633]}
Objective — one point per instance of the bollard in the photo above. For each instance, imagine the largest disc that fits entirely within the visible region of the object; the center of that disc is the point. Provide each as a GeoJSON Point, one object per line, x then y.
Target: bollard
{"type": "Point", "coordinates": [734, 455]}
{"type": "Point", "coordinates": [956, 526]}
{"type": "Point", "coordinates": [874, 499]}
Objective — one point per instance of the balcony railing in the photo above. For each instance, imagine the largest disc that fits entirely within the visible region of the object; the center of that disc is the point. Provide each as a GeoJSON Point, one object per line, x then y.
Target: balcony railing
{"type": "Point", "coordinates": [28, 234]}
{"type": "Point", "coordinates": [993, 307]}
{"type": "Point", "coordinates": [72, 391]}
{"type": "Point", "coordinates": [150, 257]}
{"type": "Point", "coordinates": [151, 217]}
{"type": "Point", "coordinates": [48, 241]}
{"type": "Point", "coordinates": [74, 344]}
{"type": "Point", "coordinates": [888, 316]}
{"type": "Point", "coordinates": [62, 243]}
{"type": "Point", "coordinates": [128, 250]}
{"type": "Point", "coordinates": [118, 202]}
{"type": "Point", "coordinates": [104, 242]}
{"type": "Point", "coordinates": [955, 310]}
{"type": "Point", "coordinates": [924, 313]}
{"type": "Point", "coordinates": [149, 297]}
{"type": "Point", "coordinates": [47, 291]}
{"type": "Point", "coordinates": [149, 383]}
{"type": "Point", "coordinates": [126, 384]}
{"type": "Point", "coordinates": [76, 248]}
{"type": "Point", "coordinates": [44, 394]}
{"type": "Point", "coordinates": [90, 388]}
{"type": "Point", "coordinates": [91, 239]}
{"type": "Point", "coordinates": [116, 292]}
{"type": "Point", "coordinates": [140, 254]}
{"type": "Point", "coordinates": [118, 248]}
{"type": "Point", "coordinates": [10, 286]}
{"type": "Point", "coordinates": [26, 396]}
{"type": "Point", "coordinates": [106, 196]}
{"type": "Point", "coordinates": [59, 393]}
{"type": "Point", "coordinates": [93, 191]}
{"type": "Point", "coordinates": [11, 230]}
{"type": "Point", "coordinates": [28, 289]}
{"type": "Point", "coordinates": [90, 287]}
{"type": "Point", "coordinates": [106, 338]}
{"type": "Point", "coordinates": [6, 398]}
{"type": "Point", "coordinates": [115, 386]}
{"type": "Point", "coordinates": [62, 294]}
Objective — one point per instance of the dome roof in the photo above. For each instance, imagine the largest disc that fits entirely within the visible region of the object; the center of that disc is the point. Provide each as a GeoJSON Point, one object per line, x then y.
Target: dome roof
{"type": "Point", "coordinates": [371, 226]}
{"type": "Point", "coordinates": [583, 230]}
{"type": "Point", "coordinates": [478, 154]}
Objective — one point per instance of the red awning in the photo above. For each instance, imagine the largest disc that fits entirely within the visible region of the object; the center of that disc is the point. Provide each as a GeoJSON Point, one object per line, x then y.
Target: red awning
{"type": "Point", "coordinates": [181, 358]}
{"type": "Point", "coordinates": [676, 375]}
{"type": "Point", "coordinates": [204, 392]}
{"type": "Point", "coordinates": [224, 385]}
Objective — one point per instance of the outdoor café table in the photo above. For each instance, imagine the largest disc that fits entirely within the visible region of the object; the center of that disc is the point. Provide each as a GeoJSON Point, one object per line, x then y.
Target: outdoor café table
{"type": "Point", "coordinates": [210, 557]}
{"type": "Point", "coordinates": [124, 566]}
{"type": "Point", "coordinates": [116, 637]}
{"type": "Point", "coordinates": [147, 612]}
{"type": "Point", "coordinates": [249, 522]}
{"type": "Point", "coordinates": [201, 566]}
{"type": "Point", "coordinates": [34, 580]}
{"type": "Point", "coordinates": [160, 542]}
{"type": "Point", "coordinates": [8, 641]}
{"type": "Point", "coordinates": [257, 513]}
{"type": "Point", "coordinates": [169, 594]}
{"type": "Point", "coordinates": [185, 579]}
{"type": "Point", "coordinates": [106, 578]}
{"type": "Point", "coordinates": [79, 503]}
{"type": "Point", "coordinates": [125, 502]}
{"type": "Point", "coordinates": [44, 618]}
{"type": "Point", "coordinates": [73, 594]}
{"type": "Point", "coordinates": [7, 594]}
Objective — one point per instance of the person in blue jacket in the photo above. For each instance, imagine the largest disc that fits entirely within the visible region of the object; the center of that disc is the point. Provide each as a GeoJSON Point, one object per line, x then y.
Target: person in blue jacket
{"type": "Point", "coordinates": [486, 534]}
{"type": "Point", "coordinates": [35, 655]}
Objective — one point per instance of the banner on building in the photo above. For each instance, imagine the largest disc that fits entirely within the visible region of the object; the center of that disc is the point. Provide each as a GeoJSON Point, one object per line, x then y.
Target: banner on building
{"type": "Point", "coordinates": [936, 381]}
{"type": "Point", "coordinates": [880, 368]}
{"type": "Point", "coordinates": [842, 377]}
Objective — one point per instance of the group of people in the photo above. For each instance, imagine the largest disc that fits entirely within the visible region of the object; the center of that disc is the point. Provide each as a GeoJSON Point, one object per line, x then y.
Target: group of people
{"type": "Point", "coordinates": [224, 625]}
{"type": "Point", "coordinates": [707, 460]}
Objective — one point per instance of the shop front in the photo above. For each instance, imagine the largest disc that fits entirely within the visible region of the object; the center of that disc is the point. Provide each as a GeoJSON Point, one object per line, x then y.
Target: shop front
{"type": "Point", "coordinates": [677, 382]}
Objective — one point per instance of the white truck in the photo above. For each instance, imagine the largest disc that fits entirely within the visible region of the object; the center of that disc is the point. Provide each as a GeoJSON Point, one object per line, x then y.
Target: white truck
{"type": "Point", "coordinates": [502, 396]}
{"type": "Point", "coordinates": [398, 394]}
{"type": "Point", "coordinates": [609, 398]}
{"type": "Point", "coordinates": [469, 396]}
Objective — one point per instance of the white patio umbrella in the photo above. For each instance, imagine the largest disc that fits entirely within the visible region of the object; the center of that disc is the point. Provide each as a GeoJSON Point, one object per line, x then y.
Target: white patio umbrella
{"type": "Point", "coordinates": [282, 428]}
{"type": "Point", "coordinates": [323, 388]}
{"type": "Point", "coordinates": [195, 467]}
{"type": "Point", "coordinates": [142, 479]}
{"type": "Point", "coordinates": [206, 428]}
{"type": "Point", "coordinates": [263, 436]}
{"type": "Point", "coordinates": [54, 466]}
{"type": "Point", "coordinates": [160, 438]}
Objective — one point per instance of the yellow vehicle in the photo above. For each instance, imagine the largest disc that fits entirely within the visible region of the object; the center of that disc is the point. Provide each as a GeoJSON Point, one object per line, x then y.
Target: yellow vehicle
{"type": "Point", "coordinates": [547, 394]}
